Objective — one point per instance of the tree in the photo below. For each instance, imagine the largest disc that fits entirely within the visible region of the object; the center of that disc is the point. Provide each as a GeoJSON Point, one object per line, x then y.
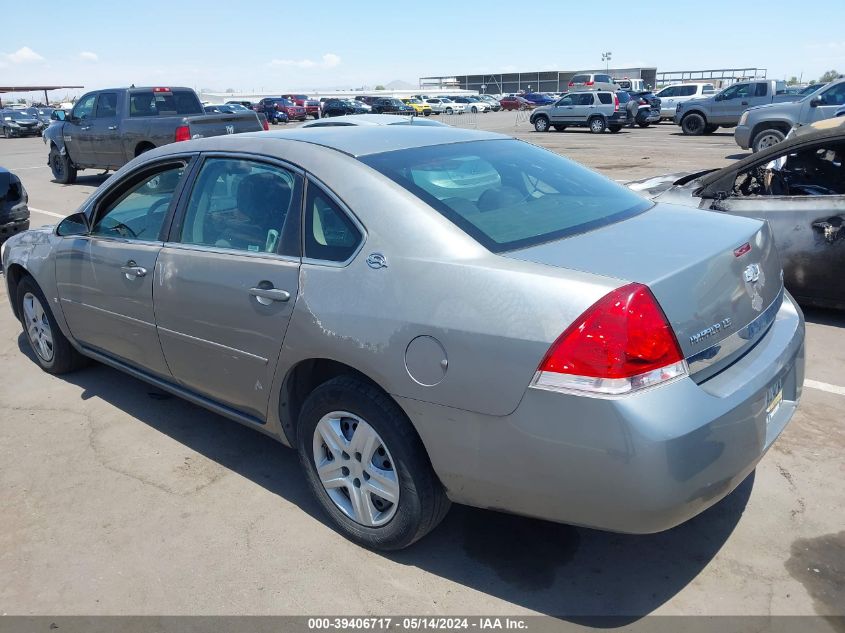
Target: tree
{"type": "Point", "coordinates": [380, 87]}
{"type": "Point", "coordinates": [830, 75]}
{"type": "Point", "coordinates": [792, 81]}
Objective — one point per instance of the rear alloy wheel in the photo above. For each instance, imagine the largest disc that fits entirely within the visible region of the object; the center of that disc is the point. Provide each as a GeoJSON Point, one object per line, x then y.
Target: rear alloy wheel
{"type": "Point", "coordinates": [367, 466]}
{"type": "Point", "coordinates": [693, 124]}
{"type": "Point", "coordinates": [766, 139]}
{"type": "Point", "coordinates": [448, 110]}
{"type": "Point", "coordinates": [541, 124]}
{"type": "Point", "coordinates": [53, 351]}
{"type": "Point", "coordinates": [63, 170]}
{"type": "Point", "coordinates": [597, 125]}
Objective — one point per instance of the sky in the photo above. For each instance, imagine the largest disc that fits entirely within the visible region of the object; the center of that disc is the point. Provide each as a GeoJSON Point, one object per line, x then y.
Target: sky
{"type": "Point", "coordinates": [280, 46]}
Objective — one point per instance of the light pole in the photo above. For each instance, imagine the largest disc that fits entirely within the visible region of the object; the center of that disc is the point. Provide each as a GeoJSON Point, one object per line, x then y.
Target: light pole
{"type": "Point", "coordinates": [605, 57]}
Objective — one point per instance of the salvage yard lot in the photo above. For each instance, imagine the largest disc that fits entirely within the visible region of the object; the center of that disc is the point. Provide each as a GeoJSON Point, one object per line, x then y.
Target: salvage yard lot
{"type": "Point", "coordinates": [117, 498]}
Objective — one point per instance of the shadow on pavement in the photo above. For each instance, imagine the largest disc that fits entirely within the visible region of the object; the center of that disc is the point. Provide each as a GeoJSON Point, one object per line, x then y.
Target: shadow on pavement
{"type": "Point", "coordinates": [559, 570]}
{"type": "Point", "coordinates": [823, 316]}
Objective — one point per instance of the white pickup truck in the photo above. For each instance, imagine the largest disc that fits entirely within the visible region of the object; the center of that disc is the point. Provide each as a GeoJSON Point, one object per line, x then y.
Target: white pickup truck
{"type": "Point", "coordinates": [670, 96]}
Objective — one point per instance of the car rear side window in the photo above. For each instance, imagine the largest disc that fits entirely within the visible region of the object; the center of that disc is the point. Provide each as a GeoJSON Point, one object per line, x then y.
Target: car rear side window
{"type": "Point", "coordinates": [507, 194]}
{"type": "Point", "coordinates": [685, 91]}
{"type": "Point", "coordinates": [150, 103]}
{"type": "Point", "coordinates": [605, 98]}
{"type": "Point", "coordinates": [330, 234]}
{"type": "Point", "coordinates": [244, 205]}
{"type": "Point", "coordinates": [761, 90]}
{"type": "Point", "coordinates": [580, 79]}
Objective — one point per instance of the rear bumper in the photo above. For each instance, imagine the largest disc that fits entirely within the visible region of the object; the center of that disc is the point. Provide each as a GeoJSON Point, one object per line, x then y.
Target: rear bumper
{"type": "Point", "coordinates": [742, 136]}
{"type": "Point", "coordinates": [637, 464]}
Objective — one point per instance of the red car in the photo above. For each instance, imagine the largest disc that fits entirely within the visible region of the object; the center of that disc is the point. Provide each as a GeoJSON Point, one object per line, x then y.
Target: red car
{"type": "Point", "coordinates": [516, 103]}
{"type": "Point", "coordinates": [312, 106]}
{"type": "Point", "coordinates": [294, 112]}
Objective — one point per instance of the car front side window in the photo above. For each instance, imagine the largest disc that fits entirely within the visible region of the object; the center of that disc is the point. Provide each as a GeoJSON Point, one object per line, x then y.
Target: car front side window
{"type": "Point", "coordinates": [84, 108]}
{"type": "Point", "coordinates": [243, 205]}
{"type": "Point", "coordinates": [138, 212]}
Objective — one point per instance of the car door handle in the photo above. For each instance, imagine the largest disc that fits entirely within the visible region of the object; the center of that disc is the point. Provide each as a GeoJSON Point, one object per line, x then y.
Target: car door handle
{"type": "Point", "coordinates": [132, 271]}
{"type": "Point", "coordinates": [87, 127]}
{"type": "Point", "coordinates": [743, 103]}
{"type": "Point", "coordinates": [112, 127]}
{"type": "Point", "coordinates": [266, 296]}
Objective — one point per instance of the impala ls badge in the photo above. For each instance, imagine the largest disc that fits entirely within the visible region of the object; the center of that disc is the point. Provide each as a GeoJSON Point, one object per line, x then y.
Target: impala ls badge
{"type": "Point", "coordinates": [376, 261]}
{"type": "Point", "coordinates": [713, 330]}
{"type": "Point", "coordinates": [751, 273]}
{"type": "Point", "coordinates": [230, 129]}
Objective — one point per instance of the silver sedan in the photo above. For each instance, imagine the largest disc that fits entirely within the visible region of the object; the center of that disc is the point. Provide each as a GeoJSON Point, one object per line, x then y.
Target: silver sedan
{"type": "Point", "coordinates": [431, 315]}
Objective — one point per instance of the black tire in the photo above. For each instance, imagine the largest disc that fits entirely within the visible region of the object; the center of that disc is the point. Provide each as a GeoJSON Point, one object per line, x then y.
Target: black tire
{"type": "Point", "coordinates": [643, 124]}
{"type": "Point", "coordinates": [63, 170]}
{"type": "Point", "coordinates": [541, 123]}
{"type": "Point", "coordinates": [7, 132]}
{"type": "Point", "coordinates": [597, 125]}
{"type": "Point", "coordinates": [693, 124]}
{"type": "Point", "coordinates": [767, 138]}
{"type": "Point", "coordinates": [449, 110]}
{"type": "Point", "coordinates": [64, 357]}
{"type": "Point", "coordinates": [710, 128]}
{"type": "Point", "coordinates": [427, 112]}
{"type": "Point", "coordinates": [422, 501]}
{"type": "Point", "coordinates": [614, 128]}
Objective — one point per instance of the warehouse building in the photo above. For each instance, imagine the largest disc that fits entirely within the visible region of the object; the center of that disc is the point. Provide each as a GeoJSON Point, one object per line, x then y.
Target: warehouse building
{"type": "Point", "coordinates": [535, 81]}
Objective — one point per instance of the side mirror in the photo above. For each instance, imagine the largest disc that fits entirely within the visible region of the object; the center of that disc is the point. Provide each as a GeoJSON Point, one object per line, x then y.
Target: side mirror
{"type": "Point", "coordinates": [76, 224]}
{"type": "Point", "coordinates": [815, 102]}
{"type": "Point", "coordinates": [58, 115]}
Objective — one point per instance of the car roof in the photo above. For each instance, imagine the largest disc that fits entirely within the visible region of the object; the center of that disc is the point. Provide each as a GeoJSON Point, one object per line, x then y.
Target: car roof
{"type": "Point", "coordinates": [354, 140]}
{"type": "Point", "coordinates": [836, 133]}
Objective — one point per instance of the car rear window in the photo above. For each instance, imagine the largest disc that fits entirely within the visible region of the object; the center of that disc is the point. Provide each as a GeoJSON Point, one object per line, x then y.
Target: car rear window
{"type": "Point", "coordinates": [149, 103]}
{"type": "Point", "coordinates": [605, 97]}
{"type": "Point", "coordinates": [507, 194]}
{"type": "Point", "coordinates": [580, 79]}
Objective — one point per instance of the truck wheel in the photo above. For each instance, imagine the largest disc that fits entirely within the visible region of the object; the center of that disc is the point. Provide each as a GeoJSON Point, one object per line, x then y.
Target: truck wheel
{"type": "Point", "coordinates": [693, 124]}
{"type": "Point", "coordinates": [766, 139]}
{"type": "Point", "coordinates": [597, 125]}
{"type": "Point", "coordinates": [541, 124]}
{"type": "Point", "coordinates": [63, 170]}
{"type": "Point", "coordinates": [710, 128]}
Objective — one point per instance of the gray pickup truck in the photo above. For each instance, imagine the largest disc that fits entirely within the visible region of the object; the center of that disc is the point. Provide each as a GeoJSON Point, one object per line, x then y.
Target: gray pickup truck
{"type": "Point", "coordinates": [108, 128]}
{"type": "Point", "coordinates": [767, 125]}
{"type": "Point", "coordinates": [705, 116]}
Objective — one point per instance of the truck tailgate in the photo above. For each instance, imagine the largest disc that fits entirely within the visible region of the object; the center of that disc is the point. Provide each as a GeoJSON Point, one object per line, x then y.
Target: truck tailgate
{"type": "Point", "coordinates": [205, 125]}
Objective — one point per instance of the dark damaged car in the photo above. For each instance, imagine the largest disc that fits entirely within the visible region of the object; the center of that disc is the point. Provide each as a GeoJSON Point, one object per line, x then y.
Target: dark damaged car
{"type": "Point", "coordinates": [14, 213]}
{"type": "Point", "coordinates": [798, 186]}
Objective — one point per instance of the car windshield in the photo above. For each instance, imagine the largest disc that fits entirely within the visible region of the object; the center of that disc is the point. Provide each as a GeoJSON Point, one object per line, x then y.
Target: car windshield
{"type": "Point", "coordinates": [507, 194]}
{"type": "Point", "coordinates": [17, 115]}
{"type": "Point", "coordinates": [413, 101]}
{"type": "Point", "coordinates": [395, 102]}
{"type": "Point", "coordinates": [284, 102]}
{"type": "Point", "coordinates": [445, 100]}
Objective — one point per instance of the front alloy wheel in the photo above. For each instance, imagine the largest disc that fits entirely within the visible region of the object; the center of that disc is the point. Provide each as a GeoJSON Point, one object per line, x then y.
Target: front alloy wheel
{"type": "Point", "coordinates": [356, 468]}
{"type": "Point", "coordinates": [38, 327]}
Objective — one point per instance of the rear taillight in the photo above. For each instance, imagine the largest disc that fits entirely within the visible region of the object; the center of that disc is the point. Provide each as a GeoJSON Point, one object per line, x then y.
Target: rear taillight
{"type": "Point", "coordinates": [623, 343]}
{"type": "Point", "coordinates": [571, 84]}
{"type": "Point", "coordinates": [589, 83]}
{"type": "Point", "coordinates": [615, 103]}
{"type": "Point", "coordinates": [265, 125]}
{"type": "Point", "coordinates": [183, 133]}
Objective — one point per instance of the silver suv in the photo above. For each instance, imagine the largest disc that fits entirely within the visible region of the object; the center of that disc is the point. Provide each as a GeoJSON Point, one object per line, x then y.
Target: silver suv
{"type": "Point", "coordinates": [598, 111]}
{"type": "Point", "coordinates": [590, 81]}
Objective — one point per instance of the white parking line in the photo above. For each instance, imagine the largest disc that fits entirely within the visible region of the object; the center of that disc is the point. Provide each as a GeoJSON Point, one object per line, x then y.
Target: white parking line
{"type": "Point", "coordinates": [50, 213]}
{"type": "Point", "coordinates": [824, 386]}
{"type": "Point", "coordinates": [33, 167]}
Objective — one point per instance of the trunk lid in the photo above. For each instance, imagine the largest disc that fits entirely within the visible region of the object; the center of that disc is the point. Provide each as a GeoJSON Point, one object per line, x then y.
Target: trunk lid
{"type": "Point", "coordinates": [718, 299]}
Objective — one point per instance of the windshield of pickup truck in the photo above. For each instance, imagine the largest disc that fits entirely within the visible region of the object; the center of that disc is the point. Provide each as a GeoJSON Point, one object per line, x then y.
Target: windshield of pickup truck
{"type": "Point", "coordinates": [149, 103]}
